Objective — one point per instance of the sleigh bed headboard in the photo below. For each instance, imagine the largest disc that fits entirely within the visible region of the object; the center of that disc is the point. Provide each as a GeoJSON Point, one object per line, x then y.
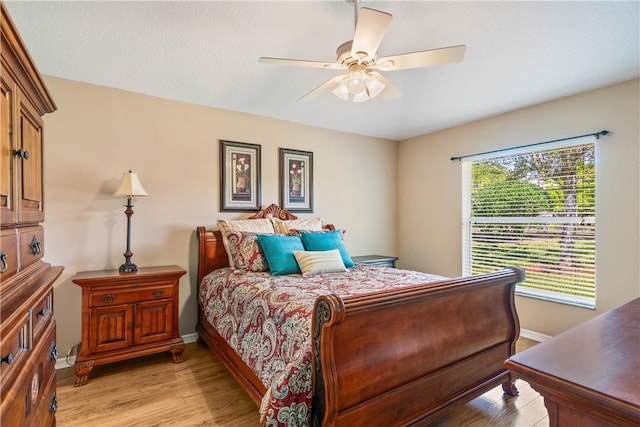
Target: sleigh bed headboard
{"type": "Point", "coordinates": [211, 252]}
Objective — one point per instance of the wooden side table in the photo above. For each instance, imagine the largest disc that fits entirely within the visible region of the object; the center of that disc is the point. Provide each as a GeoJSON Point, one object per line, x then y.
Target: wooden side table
{"type": "Point", "coordinates": [127, 315]}
{"type": "Point", "coordinates": [385, 261]}
{"type": "Point", "coordinates": [589, 375]}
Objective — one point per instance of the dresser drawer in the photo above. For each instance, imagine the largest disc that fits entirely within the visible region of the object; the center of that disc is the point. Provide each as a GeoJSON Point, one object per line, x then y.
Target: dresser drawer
{"type": "Point", "coordinates": [41, 314]}
{"type": "Point", "coordinates": [29, 402]}
{"type": "Point", "coordinates": [9, 254]}
{"type": "Point", "coordinates": [132, 294]}
{"type": "Point", "coordinates": [31, 245]}
{"type": "Point", "coordinates": [16, 341]}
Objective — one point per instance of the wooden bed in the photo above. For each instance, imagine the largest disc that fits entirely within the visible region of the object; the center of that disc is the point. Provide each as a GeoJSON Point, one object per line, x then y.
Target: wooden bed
{"type": "Point", "coordinates": [401, 357]}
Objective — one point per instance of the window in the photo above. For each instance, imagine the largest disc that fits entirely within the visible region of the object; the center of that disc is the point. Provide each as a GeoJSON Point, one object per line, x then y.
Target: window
{"type": "Point", "coordinates": [535, 210]}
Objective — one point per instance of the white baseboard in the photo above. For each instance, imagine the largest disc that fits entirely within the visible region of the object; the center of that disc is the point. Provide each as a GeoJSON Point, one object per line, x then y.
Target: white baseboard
{"type": "Point", "coordinates": [61, 362]}
{"type": "Point", "coordinates": [534, 335]}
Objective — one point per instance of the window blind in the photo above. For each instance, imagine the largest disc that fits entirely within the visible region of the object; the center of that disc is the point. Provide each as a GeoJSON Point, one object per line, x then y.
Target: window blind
{"type": "Point", "coordinates": [535, 210]}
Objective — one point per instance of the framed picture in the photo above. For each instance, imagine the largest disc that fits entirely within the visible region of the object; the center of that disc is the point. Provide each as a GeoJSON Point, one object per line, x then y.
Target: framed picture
{"type": "Point", "coordinates": [239, 176]}
{"type": "Point", "coordinates": [296, 180]}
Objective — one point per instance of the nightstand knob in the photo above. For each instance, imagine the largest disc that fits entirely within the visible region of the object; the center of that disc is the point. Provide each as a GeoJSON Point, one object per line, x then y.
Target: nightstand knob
{"type": "Point", "coordinates": [8, 359]}
{"type": "Point", "coordinates": [42, 312]}
{"type": "Point", "coordinates": [157, 293]}
{"type": "Point", "coordinates": [108, 298]}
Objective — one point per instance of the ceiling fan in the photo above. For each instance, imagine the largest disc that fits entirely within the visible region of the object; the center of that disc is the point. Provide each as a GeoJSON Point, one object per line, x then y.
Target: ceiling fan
{"type": "Point", "coordinates": [359, 57]}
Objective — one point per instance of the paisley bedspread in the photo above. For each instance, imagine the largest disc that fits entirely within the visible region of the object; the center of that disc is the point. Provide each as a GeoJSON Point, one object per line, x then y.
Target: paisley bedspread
{"type": "Point", "coordinates": [267, 321]}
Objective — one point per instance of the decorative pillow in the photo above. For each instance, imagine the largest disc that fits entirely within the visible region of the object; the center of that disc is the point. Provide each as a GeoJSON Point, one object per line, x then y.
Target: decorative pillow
{"type": "Point", "coordinates": [327, 241]}
{"type": "Point", "coordinates": [283, 227]}
{"type": "Point", "coordinates": [317, 262]}
{"type": "Point", "coordinates": [279, 251]}
{"type": "Point", "coordinates": [244, 251]}
{"type": "Point", "coordinates": [296, 232]}
{"type": "Point", "coordinates": [262, 225]}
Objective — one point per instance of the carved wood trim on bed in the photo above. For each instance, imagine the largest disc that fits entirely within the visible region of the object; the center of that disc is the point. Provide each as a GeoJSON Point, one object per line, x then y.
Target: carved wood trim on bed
{"type": "Point", "coordinates": [432, 347]}
{"type": "Point", "coordinates": [274, 211]}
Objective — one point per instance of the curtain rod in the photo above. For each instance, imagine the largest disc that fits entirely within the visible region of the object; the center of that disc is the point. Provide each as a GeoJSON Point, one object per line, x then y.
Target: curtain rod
{"type": "Point", "coordinates": [596, 134]}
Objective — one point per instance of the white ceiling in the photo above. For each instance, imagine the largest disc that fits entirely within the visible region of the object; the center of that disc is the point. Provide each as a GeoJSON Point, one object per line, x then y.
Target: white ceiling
{"type": "Point", "coordinates": [517, 54]}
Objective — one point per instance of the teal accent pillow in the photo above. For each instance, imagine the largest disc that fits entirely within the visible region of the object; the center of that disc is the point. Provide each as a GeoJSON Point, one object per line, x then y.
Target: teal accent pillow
{"type": "Point", "coordinates": [325, 242]}
{"type": "Point", "coordinates": [278, 250]}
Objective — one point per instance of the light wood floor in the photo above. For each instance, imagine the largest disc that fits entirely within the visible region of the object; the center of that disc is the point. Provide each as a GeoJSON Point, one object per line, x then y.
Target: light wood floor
{"type": "Point", "coordinates": [153, 391]}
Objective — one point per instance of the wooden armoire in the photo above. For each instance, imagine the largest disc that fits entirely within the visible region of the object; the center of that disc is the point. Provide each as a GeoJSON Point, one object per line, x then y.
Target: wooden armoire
{"type": "Point", "coordinates": [27, 330]}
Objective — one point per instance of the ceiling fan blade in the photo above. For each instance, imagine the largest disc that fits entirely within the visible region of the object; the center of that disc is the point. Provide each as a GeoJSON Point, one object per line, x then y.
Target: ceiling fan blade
{"type": "Point", "coordinates": [301, 63]}
{"type": "Point", "coordinates": [425, 58]}
{"type": "Point", "coordinates": [390, 91]}
{"type": "Point", "coordinates": [325, 87]}
{"type": "Point", "coordinates": [370, 29]}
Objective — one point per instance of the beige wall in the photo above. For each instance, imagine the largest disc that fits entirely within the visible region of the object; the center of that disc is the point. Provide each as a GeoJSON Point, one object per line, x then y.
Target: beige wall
{"type": "Point", "coordinates": [98, 133]}
{"type": "Point", "coordinates": [429, 193]}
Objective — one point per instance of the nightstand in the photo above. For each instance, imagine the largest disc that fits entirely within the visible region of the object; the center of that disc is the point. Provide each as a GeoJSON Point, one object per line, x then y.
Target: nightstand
{"type": "Point", "coordinates": [127, 315]}
{"type": "Point", "coordinates": [385, 261]}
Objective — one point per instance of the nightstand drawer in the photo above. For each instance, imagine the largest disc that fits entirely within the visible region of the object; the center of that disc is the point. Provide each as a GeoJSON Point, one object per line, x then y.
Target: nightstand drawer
{"type": "Point", "coordinates": [135, 293]}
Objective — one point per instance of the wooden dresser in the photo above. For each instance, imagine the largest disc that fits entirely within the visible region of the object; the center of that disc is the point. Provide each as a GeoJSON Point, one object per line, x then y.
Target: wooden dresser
{"type": "Point", "coordinates": [589, 375]}
{"type": "Point", "coordinates": [28, 348]}
{"type": "Point", "coordinates": [126, 315]}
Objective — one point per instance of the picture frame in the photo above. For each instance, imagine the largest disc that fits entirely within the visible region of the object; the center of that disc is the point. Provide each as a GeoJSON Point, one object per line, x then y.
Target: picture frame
{"type": "Point", "coordinates": [296, 180]}
{"type": "Point", "coordinates": [239, 176]}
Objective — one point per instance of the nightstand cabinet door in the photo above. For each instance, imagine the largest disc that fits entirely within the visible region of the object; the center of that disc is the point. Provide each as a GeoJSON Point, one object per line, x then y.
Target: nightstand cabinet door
{"type": "Point", "coordinates": [111, 328]}
{"type": "Point", "coordinates": [154, 321]}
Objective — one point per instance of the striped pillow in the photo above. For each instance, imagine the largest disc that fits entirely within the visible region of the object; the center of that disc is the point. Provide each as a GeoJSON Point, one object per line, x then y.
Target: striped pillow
{"type": "Point", "coordinates": [318, 262]}
{"type": "Point", "coordinates": [262, 226]}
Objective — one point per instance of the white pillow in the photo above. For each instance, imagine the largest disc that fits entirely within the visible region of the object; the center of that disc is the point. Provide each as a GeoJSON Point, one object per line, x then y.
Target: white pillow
{"type": "Point", "coordinates": [261, 226]}
{"type": "Point", "coordinates": [307, 224]}
{"type": "Point", "coordinates": [317, 262]}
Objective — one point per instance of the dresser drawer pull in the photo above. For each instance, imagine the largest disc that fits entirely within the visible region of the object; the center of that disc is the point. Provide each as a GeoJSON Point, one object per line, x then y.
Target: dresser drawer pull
{"type": "Point", "coordinates": [3, 260]}
{"type": "Point", "coordinates": [8, 359]}
{"type": "Point", "coordinates": [53, 404]}
{"type": "Point", "coordinates": [157, 293]}
{"type": "Point", "coordinates": [53, 351]}
{"type": "Point", "coordinates": [42, 312]}
{"type": "Point", "coordinates": [108, 298]}
{"type": "Point", "coordinates": [35, 246]}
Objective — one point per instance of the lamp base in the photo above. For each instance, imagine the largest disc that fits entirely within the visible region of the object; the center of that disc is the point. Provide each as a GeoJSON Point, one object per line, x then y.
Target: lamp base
{"type": "Point", "coordinates": [128, 268]}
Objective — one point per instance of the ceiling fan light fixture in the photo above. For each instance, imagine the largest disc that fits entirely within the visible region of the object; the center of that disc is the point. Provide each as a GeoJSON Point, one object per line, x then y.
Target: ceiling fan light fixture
{"type": "Point", "coordinates": [355, 82]}
{"type": "Point", "coordinates": [342, 91]}
{"type": "Point", "coordinates": [374, 86]}
{"type": "Point", "coordinates": [361, 97]}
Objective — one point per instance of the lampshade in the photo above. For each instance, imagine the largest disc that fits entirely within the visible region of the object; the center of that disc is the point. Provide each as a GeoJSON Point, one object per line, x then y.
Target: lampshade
{"type": "Point", "coordinates": [130, 186]}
